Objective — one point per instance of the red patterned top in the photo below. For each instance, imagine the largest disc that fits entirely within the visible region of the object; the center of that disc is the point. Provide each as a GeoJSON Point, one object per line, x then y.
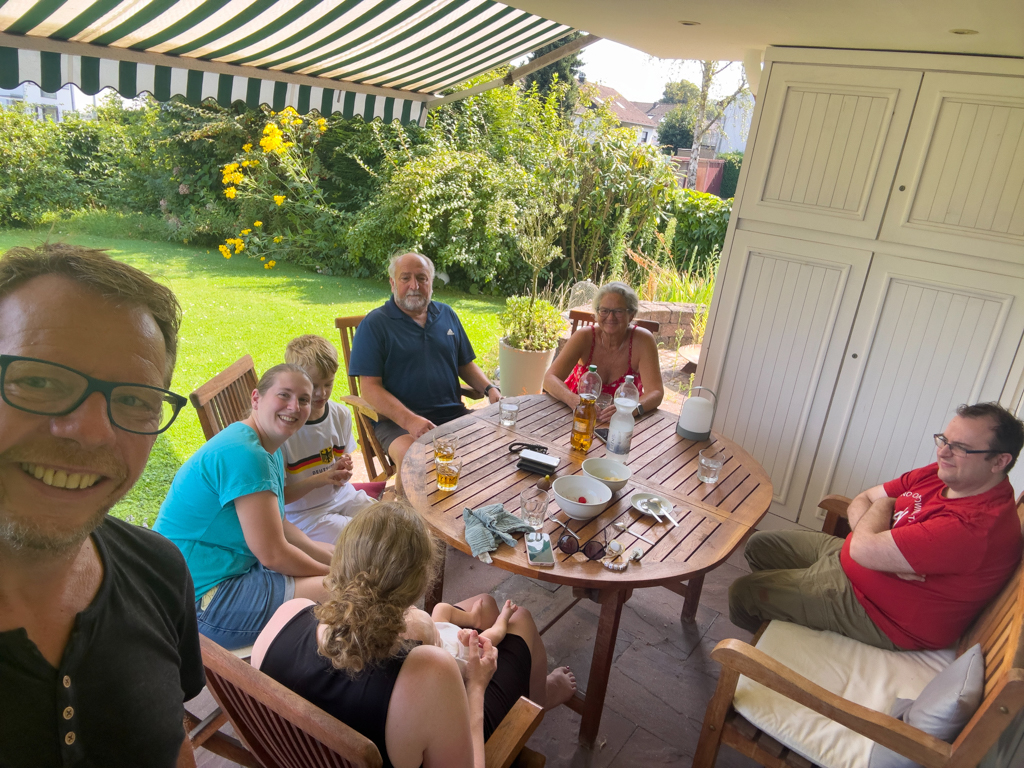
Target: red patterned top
{"type": "Point", "coordinates": [573, 382]}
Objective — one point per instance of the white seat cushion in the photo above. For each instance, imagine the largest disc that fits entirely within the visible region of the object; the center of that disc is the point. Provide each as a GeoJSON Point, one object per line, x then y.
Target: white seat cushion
{"type": "Point", "coordinates": [860, 673]}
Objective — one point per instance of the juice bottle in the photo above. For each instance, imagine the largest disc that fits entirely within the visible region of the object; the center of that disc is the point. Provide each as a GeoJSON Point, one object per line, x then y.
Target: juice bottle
{"type": "Point", "coordinates": [585, 415]}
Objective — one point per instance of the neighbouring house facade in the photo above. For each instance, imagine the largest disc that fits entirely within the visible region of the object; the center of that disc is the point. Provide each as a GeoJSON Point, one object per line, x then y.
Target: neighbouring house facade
{"type": "Point", "coordinates": [729, 135]}
{"type": "Point", "coordinates": [628, 114]}
{"type": "Point", "coordinates": [45, 105]}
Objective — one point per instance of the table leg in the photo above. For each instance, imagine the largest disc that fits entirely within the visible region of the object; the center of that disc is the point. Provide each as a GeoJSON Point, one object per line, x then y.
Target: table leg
{"type": "Point", "coordinates": [692, 599]}
{"type": "Point", "coordinates": [433, 596]}
{"type": "Point", "coordinates": [601, 664]}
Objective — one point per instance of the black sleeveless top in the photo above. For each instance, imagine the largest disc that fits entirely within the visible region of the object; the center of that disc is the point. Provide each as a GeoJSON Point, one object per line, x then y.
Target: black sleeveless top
{"type": "Point", "coordinates": [361, 702]}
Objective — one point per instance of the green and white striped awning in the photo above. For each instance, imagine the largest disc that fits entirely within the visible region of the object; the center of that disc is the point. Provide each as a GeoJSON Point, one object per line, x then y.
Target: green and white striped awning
{"type": "Point", "coordinates": [376, 58]}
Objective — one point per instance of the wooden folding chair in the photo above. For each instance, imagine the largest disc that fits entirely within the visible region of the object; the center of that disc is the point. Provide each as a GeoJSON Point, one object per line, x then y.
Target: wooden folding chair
{"type": "Point", "coordinates": [580, 317]}
{"type": "Point", "coordinates": [999, 629]}
{"type": "Point", "coordinates": [280, 729]}
{"type": "Point", "coordinates": [227, 397]}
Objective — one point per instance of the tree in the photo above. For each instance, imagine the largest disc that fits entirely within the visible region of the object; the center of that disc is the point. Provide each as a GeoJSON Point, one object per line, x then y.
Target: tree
{"type": "Point", "coordinates": [707, 112]}
{"type": "Point", "coordinates": [676, 129]}
{"type": "Point", "coordinates": [565, 70]}
{"type": "Point", "coordinates": [680, 92]}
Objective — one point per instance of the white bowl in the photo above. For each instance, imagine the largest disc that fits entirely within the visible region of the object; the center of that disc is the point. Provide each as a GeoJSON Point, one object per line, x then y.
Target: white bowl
{"type": "Point", "coordinates": [612, 473]}
{"type": "Point", "coordinates": [568, 490]}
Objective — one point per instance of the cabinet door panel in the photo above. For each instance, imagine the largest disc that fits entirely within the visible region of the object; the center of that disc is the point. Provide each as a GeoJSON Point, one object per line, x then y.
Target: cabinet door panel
{"type": "Point", "coordinates": [960, 186]}
{"type": "Point", "coordinates": [794, 305]}
{"type": "Point", "coordinates": [834, 139]}
{"type": "Point", "coordinates": [927, 338]}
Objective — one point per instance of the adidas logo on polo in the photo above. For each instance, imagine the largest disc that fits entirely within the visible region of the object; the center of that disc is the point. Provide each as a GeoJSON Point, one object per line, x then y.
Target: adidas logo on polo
{"type": "Point", "coordinates": [451, 332]}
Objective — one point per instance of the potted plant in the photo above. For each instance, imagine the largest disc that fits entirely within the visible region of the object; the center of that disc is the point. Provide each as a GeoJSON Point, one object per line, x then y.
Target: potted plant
{"type": "Point", "coordinates": [531, 326]}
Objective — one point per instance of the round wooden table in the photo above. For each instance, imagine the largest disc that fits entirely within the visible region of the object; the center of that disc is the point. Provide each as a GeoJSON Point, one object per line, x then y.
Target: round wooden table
{"type": "Point", "coordinates": [713, 519]}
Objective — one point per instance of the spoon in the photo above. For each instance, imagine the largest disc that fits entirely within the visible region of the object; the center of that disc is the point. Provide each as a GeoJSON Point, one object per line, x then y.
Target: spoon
{"type": "Point", "coordinates": [645, 506]}
{"type": "Point", "coordinates": [655, 501]}
{"type": "Point", "coordinates": [624, 527]}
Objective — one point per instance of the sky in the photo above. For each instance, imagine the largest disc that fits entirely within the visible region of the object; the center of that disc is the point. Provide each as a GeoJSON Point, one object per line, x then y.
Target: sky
{"type": "Point", "coordinates": [639, 76]}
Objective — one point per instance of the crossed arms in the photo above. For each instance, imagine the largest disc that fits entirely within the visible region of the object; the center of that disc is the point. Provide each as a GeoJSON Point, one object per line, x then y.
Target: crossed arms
{"type": "Point", "coordinates": [872, 545]}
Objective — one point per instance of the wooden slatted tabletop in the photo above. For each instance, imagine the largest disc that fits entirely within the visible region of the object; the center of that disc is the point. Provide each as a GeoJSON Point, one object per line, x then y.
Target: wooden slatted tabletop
{"type": "Point", "coordinates": [713, 519]}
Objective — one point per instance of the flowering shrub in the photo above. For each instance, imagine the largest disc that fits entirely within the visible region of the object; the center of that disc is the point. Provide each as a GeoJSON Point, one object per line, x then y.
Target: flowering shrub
{"type": "Point", "coordinates": [275, 184]}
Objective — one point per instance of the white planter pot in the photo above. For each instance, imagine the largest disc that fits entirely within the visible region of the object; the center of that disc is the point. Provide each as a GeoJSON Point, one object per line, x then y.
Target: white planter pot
{"type": "Point", "coordinates": [522, 371]}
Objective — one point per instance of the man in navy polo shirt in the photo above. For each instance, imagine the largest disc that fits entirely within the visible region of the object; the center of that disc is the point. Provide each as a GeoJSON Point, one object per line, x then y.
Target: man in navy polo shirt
{"type": "Point", "coordinates": [409, 356]}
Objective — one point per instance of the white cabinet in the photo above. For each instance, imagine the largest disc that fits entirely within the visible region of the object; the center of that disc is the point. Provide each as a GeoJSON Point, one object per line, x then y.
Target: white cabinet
{"type": "Point", "coordinates": [831, 141]}
{"type": "Point", "coordinates": [960, 186]}
{"type": "Point", "coordinates": [926, 338]}
{"type": "Point", "coordinates": [873, 273]}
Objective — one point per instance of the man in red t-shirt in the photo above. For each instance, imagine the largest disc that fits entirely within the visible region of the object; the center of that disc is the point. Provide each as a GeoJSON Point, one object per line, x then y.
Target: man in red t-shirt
{"type": "Point", "coordinates": [927, 552]}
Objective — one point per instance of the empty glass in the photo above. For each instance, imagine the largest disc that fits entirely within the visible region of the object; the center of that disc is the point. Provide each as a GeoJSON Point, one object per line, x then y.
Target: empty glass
{"type": "Point", "coordinates": [508, 411]}
{"type": "Point", "coordinates": [533, 507]}
{"type": "Point", "coordinates": [709, 464]}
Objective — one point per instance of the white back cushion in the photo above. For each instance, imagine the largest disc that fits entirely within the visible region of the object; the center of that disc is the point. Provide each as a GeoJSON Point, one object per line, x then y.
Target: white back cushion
{"type": "Point", "coordinates": [857, 672]}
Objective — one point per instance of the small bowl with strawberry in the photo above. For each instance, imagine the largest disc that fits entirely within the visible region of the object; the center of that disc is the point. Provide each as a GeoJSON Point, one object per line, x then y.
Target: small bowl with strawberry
{"type": "Point", "coordinates": [581, 497]}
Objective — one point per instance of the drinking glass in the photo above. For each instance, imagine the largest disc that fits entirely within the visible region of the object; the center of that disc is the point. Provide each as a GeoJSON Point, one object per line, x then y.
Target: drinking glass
{"type": "Point", "coordinates": [603, 401]}
{"type": "Point", "coordinates": [445, 447]}
{"type": "Point", "coordinates": [508, 411]}
{"type": "Point", "coordinates": [709, 463]}
{"type": "Point", "coordinates": [448, 474]}
{"type": "Point", "coordinates": [533, 507]}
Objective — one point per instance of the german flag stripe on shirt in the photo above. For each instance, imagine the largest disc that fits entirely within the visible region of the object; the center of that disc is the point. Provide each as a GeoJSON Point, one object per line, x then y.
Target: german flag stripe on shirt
{"type": "Point", "coordinates": [326, 456]}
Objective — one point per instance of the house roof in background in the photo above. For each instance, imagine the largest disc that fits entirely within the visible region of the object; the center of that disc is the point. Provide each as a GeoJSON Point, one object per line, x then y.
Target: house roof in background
{"type": "Point", "coordinates": [372, 57]}
{"type": "Point", "coordinates": [656, 110]}
{"type": "Point", "coordinates": [624, 109]}
{"type": "Point", "coordinates": [729, 29]}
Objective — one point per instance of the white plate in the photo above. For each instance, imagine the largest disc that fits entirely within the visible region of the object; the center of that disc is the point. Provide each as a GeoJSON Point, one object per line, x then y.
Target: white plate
{"type": "Point", "coordinates": [641, 496]}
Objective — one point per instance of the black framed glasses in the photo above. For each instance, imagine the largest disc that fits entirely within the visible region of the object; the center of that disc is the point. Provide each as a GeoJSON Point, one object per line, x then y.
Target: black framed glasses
{"type": "Point", "coordinates": [593, 549]}
{"type": "Point", "coordinates": [603, 312]}
{"type": "Point", "coordinates": [50, 389]}
{"type": "Point", "coordinates": [957, 449]}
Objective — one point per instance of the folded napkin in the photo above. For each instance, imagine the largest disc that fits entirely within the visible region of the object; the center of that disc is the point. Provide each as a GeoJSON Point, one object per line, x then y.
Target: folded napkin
{"type": "Point", "coordinates": [487, 525]}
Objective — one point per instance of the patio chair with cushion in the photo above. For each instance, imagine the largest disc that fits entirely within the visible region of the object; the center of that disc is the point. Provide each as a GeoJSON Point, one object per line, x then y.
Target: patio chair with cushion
{"type": "Point", "coordinates": [364, 413]}
{"type": "Point", "coordinates": [800, 697]}
{"type": "Point", "coordinates": [279, 728]}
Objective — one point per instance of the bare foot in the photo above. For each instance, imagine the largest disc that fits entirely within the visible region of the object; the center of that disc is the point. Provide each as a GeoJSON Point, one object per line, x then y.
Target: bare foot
{"type": "Point", "coordinates": [561, 686]}
{"type": "Point", "coordinates": [506, 612]}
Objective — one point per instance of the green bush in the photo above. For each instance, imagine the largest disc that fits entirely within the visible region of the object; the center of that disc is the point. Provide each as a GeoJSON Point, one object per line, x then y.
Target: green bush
{"type": "Point", "coordinates": [730, 174]}
{"type": "Point", "coordinates": [105, 223]}
{"type": "Point", "coordinates": [531, 324]}
{"type": "Point", "coordinates": [33, 177]}
{"type": "Point", "coordinates": [701, 222]}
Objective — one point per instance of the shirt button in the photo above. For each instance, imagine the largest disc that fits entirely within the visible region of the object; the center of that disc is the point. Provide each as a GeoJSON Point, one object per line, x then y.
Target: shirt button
{"type": "Point", "coordinates": [69, 712]}
{"type": "Point", "coordinates": [67, 681]}
{"type": "Point", "coordinates": [70, 738]}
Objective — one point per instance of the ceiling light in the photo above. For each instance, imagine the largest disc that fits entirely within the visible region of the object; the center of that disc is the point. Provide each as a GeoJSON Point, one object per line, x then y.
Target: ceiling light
{"type": "Point", "coordinates": [963, 31]}
{"type": "Point", "coordinates": [690, 23]}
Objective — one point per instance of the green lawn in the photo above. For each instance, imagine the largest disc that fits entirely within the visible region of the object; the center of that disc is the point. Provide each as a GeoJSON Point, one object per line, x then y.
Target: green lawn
{"type": "Point", "coordinates": [233, 307]}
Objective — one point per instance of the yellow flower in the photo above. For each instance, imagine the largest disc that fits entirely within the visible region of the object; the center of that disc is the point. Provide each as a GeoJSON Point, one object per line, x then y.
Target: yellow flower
{"type": "Point", "coordinates": [272, 263]}
{"type": "Point", "coordinates": [255, 162]}
{"type": "Point", "coordinates": [263, 258]}
{"type": "Point", "coordinates": [246, 231]}
{"type": "Point", "coordinates": [247, 147]}
{"type": "Point", "coordinates": [224, 251]}
{"type": "Point", "coordinates": [245, 163]}
{"type": "Point", "coordinates": [278, 239]}
{"type": "Point", "coordinates": [257, 223]}
{"type": "Point", "coordinates": [266, 266]}
{"type": "Point", "coordinates": [277, 198]}
{"type": "Point", "coordinates": [230, 192]}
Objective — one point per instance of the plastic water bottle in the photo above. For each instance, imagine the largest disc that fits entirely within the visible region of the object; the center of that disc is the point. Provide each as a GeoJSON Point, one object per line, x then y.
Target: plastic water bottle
{"type": "Point", "coordinates": [620, 429]}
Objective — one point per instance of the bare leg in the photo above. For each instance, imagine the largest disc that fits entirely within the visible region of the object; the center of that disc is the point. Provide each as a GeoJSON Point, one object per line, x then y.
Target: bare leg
{"type": "Point", "coordinates": [443, 612]}
{"type": "Point", "coordinates": [311, 587]}
{"type": "Point", "coordinates": [549, 690]}
{"type": "Point", "coordinates": [499, 628]}
{"type": "Point", "coordinates": [397, 450]}
{"type": "Point", "coordinates": [478, 612]}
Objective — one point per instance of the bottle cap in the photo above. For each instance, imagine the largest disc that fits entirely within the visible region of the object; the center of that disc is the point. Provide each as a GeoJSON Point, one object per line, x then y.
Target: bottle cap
{"type": "Point", "coordinates": [592, 369]}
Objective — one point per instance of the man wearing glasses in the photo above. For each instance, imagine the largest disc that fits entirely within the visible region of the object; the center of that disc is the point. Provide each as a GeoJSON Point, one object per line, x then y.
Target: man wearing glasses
{"type": "Point", "coordinates": [98, 639]}
{"type": "Point", "coordinates": [927, 552]}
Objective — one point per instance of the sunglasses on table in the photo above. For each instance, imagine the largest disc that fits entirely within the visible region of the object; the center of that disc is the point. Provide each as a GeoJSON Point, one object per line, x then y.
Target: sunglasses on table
{"type": "Point", "coordinates": [593, 549]}
{"type": "Point", "coordinates": [51, 389]}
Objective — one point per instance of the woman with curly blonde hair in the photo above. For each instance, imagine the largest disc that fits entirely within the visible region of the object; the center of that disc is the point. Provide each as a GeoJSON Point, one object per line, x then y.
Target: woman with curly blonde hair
{"type": "Point", "coordinates": [366, 655]}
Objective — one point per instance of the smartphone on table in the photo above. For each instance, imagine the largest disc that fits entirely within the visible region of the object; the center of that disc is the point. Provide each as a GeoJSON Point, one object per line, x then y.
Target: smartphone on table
{"type": "Point", "coordinates": [538, 549]}
{"type": "Point", "coordinates": [602, 434]}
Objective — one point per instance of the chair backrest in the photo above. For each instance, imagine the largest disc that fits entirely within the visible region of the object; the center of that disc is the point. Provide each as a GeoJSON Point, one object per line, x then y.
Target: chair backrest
{"type": "Point", "coordinates": [347, 327]}
{"type": "Point", "coordinates": [586, 317]}
{"type": "Point", "coordinates": [1000, 627]}
{"type": "Point", "coordinates": [276, 724]}
{"type": "Point", "coordinates": [227, 397]}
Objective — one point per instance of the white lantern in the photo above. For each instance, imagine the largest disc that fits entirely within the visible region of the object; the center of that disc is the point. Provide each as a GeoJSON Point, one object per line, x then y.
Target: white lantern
{"type": "Point", "coordinates": [695, 416]}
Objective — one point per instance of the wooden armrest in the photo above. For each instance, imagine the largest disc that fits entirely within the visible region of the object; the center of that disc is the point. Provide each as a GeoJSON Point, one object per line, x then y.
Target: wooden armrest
{"type": "Point", "coordinates": [512, 733]}
{"type": "Point", "coordinates": [362, 406]}
{"type": "Point", "coordinates": [881, 728]}
{"type": "Point", "coordinates": [835, 512]}
{"type": "Point", "coordinates": [471, 393]}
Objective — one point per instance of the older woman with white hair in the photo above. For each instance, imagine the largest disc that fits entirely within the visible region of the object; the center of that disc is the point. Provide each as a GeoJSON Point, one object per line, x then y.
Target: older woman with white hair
{"type": "Point", "coordinates": [618, 349]}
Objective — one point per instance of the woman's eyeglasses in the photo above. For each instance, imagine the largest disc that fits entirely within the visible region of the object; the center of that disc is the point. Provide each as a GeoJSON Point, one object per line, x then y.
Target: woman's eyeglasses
{"type": "Point", "coordinates": [604, 312]}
